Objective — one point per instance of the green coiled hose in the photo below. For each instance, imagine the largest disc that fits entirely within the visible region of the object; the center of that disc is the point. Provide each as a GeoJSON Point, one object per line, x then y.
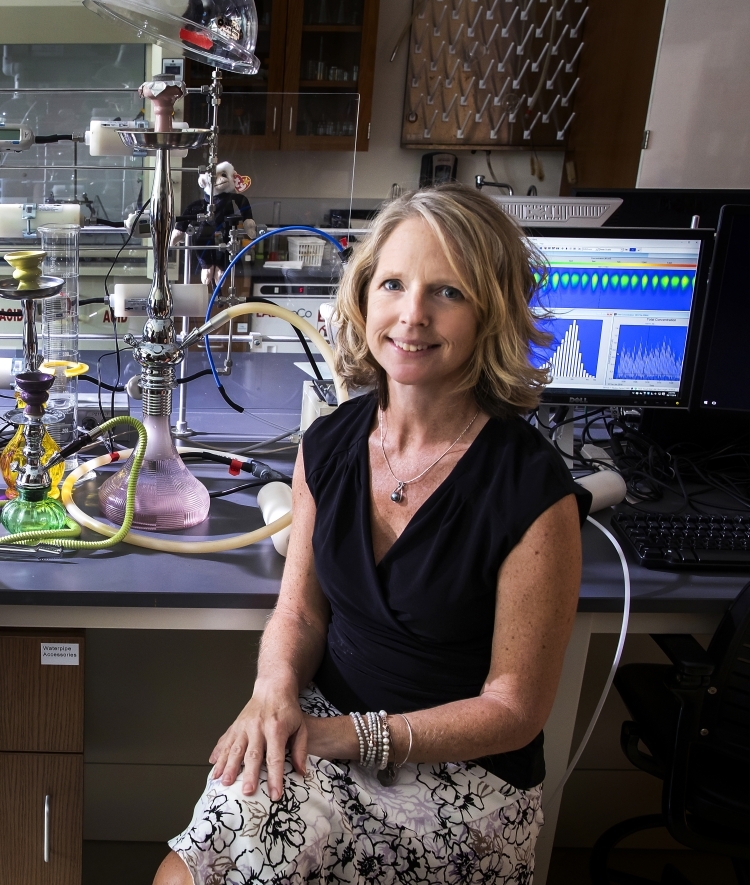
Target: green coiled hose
{"type": "Point", "coordinates": [66, 537]}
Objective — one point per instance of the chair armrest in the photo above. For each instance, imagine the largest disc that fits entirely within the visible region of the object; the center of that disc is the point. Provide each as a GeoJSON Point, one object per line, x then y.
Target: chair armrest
{"type": "Point", "coordinates": [685, 652]}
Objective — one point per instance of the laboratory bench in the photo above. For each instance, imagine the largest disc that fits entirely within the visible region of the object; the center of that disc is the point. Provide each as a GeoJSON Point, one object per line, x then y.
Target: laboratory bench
{"type": "Point", "coordinates": [131, 588]}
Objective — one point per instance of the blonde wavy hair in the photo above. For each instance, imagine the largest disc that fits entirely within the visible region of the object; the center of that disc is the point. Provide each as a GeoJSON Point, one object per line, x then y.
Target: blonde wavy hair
{"type": "Point", "coordinates": [495, 265]}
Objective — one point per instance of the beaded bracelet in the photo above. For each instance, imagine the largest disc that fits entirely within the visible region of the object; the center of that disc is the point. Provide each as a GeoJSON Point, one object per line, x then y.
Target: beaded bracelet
{"type": "Point", "coordinates": [374, 739]}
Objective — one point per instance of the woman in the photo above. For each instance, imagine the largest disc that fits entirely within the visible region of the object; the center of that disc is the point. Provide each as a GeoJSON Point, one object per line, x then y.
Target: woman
{"type": "Point", "coordinates": [429, 590]}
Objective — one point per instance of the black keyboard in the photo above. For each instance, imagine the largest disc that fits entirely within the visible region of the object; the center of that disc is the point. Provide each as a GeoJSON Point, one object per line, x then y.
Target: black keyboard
{"type": "Point", "coordinates": [686, 542]}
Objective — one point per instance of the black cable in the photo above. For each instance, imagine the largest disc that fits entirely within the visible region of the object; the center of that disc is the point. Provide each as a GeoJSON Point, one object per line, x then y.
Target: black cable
{"type": "Point", "coordinates": [103, 384]}
{"type": "Point", "coordinates": [51, 139]}
{"type": "Point", "coordinates": [82, 301]}
{"type": "Point", "coordinates": [200, 374]}
{"type": "Point", "coordinates": [302, 340]}
{"type": "Point", "coordinates": [222, 493]}
{"type": "Point", "coordinates": [114, 318]}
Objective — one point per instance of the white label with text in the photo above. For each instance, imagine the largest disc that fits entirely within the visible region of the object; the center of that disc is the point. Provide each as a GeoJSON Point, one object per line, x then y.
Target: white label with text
{"type": "Point", "coordinates": [65, 653]}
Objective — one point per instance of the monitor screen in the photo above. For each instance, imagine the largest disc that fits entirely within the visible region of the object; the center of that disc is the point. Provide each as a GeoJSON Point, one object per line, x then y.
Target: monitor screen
{"type": "Point", "coordinates": [624, 308]}
{"type": "Point", "coordinates": [723, 369]}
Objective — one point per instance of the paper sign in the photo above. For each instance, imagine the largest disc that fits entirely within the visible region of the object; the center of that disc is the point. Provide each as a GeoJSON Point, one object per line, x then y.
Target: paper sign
{"type": "Point", "coordinates": [65, 653]}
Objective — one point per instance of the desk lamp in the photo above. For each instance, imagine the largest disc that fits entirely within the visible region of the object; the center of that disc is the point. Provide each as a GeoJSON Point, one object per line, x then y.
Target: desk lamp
{"type": "Point", "coordinates": [221, 33]}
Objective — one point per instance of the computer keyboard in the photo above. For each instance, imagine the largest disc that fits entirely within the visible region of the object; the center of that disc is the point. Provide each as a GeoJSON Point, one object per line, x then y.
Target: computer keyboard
{"type": "Point", "coordinates": [686, 541]}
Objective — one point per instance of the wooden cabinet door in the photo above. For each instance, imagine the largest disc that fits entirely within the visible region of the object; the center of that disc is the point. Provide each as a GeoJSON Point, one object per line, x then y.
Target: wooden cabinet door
{"type": "Point", "coordinates": [41, 705]}
{"type": "Point", "coordinates": [251, 106]}
{"type": "Point", "coordinates": [38, 847]}
{"type": "Point", "coordinates": [327, 41]}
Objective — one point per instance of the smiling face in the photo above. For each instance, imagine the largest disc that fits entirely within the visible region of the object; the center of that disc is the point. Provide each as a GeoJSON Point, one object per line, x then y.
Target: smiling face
{"type": "Point", "coordinates": [420, 327]}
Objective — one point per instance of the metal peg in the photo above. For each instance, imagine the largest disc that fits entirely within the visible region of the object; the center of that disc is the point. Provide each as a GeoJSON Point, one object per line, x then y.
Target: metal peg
{"type": "Point", "coordinates": [545, 117]}
{"type": "Point", "coordinates": [556, 47]}
{"type": "Point", "coordinates": [457, 8]}
{"type": "Point", "coordinates": [551, 81]}
{"type": "Point", "coordinates": [454, 41]}
{"type": "Point", "coordinates": [561, 132]}
{"type": "Point", "coordinates": [437, 26]}
{"type": "Point", "coordinates": [462, 129]}
{"type": "Point", "coordinates": [493, 132]}
{"type": "Point", "coordinates": [506, 30]}
{"type": "Point", "coordinates": [434, 62]}
{"type": "Point", "coordinates": [45, 849]}
{"type": "Point", "coordinates": [577, 28]}
{"type": "Point", "coordinates": [572, 63]}
{"type": "Point", "coordinates": [491, 11]}
{"type": "Point", "coordinates": [490, 68]}
{"type": "Point", "coordinates": [449, 78]}
{"type": "Point", "coordinates": [527, 132]}
{"type": "Point", "coordinates": [478, 116]}
{"type": "Point", "coordinates": [447, 112]}
{"type": "Point", "coordinates": [499, 96]}
{"type": "Point", "coordinates": [431, 94]}
{"type": "Point", "coordinates": [428, 129]}
{"type": "Point", "coordinates": [522, 46]}
{"type": "Point", "coordinates": [567, 98]}
{"type": "Point", "coordinates": [561, 11]}
{"type": "Point", "coordinates": [491, 38]}
{"type": "Point", "coordinates": [517, 81]}
{"type": "Point", "coordinates": [473, 25]}
{"type": "Point", "coordinates": [514, 112]}
{"type": "Point", "coordinates": [540, 29]}
{"type": "Point", "coordinates": [501, 63]}
{"type": "Point", "coordinates": [525, 12]}
{"type": "Point", "coordinates": [537, 63]}
{"type": "Point", "coordinates": [465, 96]}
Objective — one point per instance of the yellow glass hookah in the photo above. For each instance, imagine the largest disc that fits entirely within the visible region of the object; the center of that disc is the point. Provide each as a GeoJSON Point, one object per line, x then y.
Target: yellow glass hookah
{"type": "Point", "coordinates": [22, 462]}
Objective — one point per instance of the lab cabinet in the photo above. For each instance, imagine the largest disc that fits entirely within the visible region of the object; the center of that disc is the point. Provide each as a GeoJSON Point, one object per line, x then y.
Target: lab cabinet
{"type": "Point", "coordinates": [314, 87]}
{"type": "Point", "coordinates": [41, 818]}
{"type": "Point", "coordinates": [41, 756]}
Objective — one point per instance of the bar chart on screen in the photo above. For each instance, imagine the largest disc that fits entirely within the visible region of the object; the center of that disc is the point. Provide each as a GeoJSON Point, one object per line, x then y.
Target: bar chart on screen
{"type": "Point", "coordinates": [574, 350]}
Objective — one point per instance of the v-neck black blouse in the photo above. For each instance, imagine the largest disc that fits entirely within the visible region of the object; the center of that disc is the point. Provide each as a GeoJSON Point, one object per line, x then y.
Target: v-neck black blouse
{"type": "Point", "coordinates": [415, 630]}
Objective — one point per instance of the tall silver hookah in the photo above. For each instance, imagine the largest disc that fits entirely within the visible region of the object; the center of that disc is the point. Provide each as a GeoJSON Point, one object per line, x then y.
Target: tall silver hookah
{"type": "Point", "coordinates": [168, 495]}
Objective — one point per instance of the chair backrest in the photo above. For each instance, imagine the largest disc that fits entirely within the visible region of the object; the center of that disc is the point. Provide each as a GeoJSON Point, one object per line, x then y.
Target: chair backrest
{"type": "Point", "coordinates": [726, 712]}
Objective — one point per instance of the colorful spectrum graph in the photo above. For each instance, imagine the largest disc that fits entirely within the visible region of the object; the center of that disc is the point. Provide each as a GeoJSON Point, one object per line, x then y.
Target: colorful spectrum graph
{"type": "Point", "coordinates": [574, 352]}
{"type": "Point", "coordinates": [650, 353]}
{"type": "Point", "coordinates": [622, 289]}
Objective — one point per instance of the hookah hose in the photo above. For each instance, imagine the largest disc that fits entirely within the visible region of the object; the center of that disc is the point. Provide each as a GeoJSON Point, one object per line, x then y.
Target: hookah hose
{"type": "Point", "coordinates": [217, 290]}
{"type": "Point", "coordinates": [67, 538]}
{"type": "Point", "coordinates": [234, 542]}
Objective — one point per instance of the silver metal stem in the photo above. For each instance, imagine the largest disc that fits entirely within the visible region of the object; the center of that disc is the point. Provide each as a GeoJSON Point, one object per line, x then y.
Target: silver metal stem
{"type": "Point", "coordinates": [181, 427]}
{"type": "Point", "coordinates": [30, 343]}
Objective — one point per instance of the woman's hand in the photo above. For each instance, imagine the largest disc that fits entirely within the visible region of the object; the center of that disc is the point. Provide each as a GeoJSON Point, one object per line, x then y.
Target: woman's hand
{"type": "Point", "coordinates": [263, 730]}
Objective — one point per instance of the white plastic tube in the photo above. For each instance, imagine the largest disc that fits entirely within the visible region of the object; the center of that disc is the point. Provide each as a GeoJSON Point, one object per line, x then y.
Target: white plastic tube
{"type": "Point", "coordinates": [275, 502]}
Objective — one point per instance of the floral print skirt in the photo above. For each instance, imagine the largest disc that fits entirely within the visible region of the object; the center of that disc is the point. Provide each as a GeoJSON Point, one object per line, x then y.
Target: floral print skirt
{"type": "Point", "coordinates": [450, 823]}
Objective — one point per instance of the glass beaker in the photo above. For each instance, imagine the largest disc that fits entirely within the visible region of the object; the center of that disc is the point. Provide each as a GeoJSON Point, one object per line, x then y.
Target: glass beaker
{"type": "Point", "coordinates": [60, 328]}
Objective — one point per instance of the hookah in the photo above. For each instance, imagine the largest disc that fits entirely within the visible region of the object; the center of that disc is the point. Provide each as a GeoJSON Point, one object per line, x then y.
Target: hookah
{"type": "Point", "coordinates": [168, 495]}
{"type": "Point", "coordinates": [24, 457]}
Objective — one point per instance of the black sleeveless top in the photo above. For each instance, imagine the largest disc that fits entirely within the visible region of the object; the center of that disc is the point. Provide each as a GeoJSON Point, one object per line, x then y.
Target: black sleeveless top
{"type": "Point", "coordinates": [416, 630]}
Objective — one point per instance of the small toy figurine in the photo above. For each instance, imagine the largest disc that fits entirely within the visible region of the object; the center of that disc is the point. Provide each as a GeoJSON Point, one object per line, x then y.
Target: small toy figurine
{"type": "Point", "coordinates": [231, 207]}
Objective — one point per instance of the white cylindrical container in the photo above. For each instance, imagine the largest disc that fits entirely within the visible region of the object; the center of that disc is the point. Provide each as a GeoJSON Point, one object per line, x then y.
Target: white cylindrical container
{"type": "Point", "coordinates": [607, 488]}
{"type": "Point", "coordinates": [60, 327]}
{"type": "Point", "coordinates": [275, 501]}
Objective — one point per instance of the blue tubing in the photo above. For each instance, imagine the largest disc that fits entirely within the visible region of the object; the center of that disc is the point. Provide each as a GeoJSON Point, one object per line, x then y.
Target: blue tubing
{"type": "Point", "coordinates": [270, 233]}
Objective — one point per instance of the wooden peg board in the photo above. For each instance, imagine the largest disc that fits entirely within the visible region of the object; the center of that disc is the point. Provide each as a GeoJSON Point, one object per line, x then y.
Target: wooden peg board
{"type": "Point", "coordinates": [492, 73]}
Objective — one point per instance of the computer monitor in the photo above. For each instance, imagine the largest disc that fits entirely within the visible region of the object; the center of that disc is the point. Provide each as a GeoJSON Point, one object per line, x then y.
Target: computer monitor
{"type": "Point", "coordinates": [722, 367]}
{"type": "Point", "coordinates": [624, 309]}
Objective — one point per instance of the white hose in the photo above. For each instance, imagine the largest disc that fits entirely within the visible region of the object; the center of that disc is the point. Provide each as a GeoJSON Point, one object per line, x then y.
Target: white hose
{"type": "Point", "coordinates": [615, 662]}
{"type": "Point", "coordinates": [139, 539]}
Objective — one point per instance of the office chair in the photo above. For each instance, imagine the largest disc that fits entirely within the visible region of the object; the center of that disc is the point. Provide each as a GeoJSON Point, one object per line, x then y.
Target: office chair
{"type": "Point", "coordinates": [693, 716]}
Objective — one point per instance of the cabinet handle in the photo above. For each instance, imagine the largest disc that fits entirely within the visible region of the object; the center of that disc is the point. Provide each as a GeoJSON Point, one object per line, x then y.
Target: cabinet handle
{"type": "Point", "coordinates": [291, 111]}
{"type": "Point", "coordinates": [274, 119]}
{"type": "Point", "coordinates": [46, 828]}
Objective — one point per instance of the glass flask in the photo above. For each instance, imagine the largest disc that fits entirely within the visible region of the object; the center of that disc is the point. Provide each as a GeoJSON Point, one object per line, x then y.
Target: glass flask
{"type": "Point", "coordinates": [13, 453]}
{"type": "Point", "coordinates": [220, 33]}
{"type": "Point", "coordinates": [168, 496]}
{"type": "Point", "coordinates": [33, 511]}
{"type": "Point", "coordinates": [60, 329]}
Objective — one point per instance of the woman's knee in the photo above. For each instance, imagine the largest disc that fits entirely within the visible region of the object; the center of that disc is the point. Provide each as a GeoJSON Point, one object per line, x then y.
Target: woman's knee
{"type": "Point", "coordinates": [173, 871]}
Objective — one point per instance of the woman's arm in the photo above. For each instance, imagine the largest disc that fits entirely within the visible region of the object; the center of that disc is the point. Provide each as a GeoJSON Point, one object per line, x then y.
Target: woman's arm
{"type": "Point", "coordinates": [290, 652]}
{"type": "Point", "coordinates": [537, 596]}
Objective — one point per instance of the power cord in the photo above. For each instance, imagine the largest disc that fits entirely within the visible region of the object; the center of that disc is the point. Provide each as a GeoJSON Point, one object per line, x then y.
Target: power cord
{"type": "Point", "coordinates": [615, 661]}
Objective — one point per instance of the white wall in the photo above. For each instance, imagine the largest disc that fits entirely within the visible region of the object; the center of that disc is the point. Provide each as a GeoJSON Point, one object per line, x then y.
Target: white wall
{"type": "Point", "coordinates": [699, 114]}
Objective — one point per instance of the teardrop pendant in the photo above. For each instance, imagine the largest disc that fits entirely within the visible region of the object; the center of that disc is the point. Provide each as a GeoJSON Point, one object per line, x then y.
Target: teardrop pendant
{"type": "Point", "coordinates": [397, 495]}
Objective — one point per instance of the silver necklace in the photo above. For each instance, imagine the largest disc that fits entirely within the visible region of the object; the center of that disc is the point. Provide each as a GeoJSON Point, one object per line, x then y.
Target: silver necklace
{"type": "Point", "coordinates": [397, 495]}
